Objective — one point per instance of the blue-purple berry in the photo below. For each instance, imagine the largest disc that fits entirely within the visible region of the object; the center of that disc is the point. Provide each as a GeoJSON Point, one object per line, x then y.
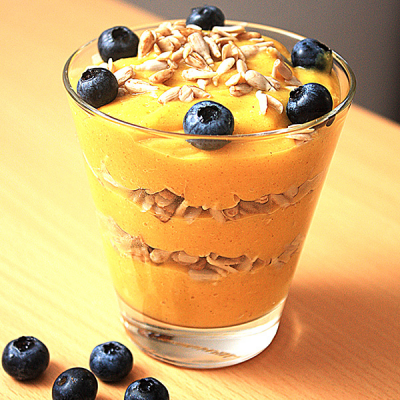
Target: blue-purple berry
{"type": "Point", "coordinates": [111, 361]}
{"type": "Point", "coordinates": [75, 384]}
{"type": "Point", "coordinates": [310, 53]}
{"type": "Point", "coordinates": [308, 102]}
{"type": "Point", "coordinates": [25, 358]}
{"type": "Point", "coordinates": [210, 119]}
{"type": "Point", "coordinates": [97, 86]}
{"type": "Point", "coordinates": [146, 389]}
{"type": "Point", "coordinates": [206, 17]}
{"type": "Point", "coordinates": [118, 42]}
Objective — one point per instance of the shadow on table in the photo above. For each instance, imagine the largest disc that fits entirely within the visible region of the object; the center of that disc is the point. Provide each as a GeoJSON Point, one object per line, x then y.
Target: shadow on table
{"type": "Point", "coordinates": [333, 342]}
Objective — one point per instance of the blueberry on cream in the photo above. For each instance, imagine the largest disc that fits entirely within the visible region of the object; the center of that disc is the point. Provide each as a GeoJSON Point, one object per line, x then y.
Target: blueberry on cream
{"type": "Point", "coordinates": [310, 53]}
{"type": "Point", "coordinates": [206, 17]}
{"type": "Point", "coordinates": [97, 86]}
{"type": "Point", "coordinates": [118, 42]}
{"type": "Point", "coordinates": [308, 102]}
{"type": "Point", "coordinates": [208, 118]}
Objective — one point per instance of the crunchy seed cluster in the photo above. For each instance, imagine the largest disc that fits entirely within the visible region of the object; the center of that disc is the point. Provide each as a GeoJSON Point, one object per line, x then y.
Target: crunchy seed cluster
{"type": "Point", "coordinates": [174, 43]}
{"type": "Point", "coordinates": [211, 267]}
{"type": "Point", "coordinates": [165, 204]}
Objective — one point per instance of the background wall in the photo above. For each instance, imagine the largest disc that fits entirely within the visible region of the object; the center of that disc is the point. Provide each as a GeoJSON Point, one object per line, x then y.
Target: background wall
{"type": "Point", "coordinates": [365, 32]}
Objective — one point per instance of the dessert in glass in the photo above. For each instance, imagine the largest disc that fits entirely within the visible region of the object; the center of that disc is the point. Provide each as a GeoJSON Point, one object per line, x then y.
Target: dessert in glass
{"type": "Point", "coordinates": [206, 148]}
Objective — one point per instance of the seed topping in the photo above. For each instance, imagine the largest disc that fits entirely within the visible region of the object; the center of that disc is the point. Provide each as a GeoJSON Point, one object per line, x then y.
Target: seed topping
{"type": "Point", "coordinates": [207, 56]}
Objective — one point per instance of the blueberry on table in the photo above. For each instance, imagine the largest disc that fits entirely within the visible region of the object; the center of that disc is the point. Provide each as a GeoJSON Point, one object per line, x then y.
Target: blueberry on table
{"type": "Point", "coordinates": [111, 361]}
{"type": "Point", "coordinates": [117, 42]}
{"type": "Point", "coordinates": [310, 53]}
{"type": "Point", "coordinates": [97, 86]}
{"type": "Point", "coordinates": [308, 102]}
{"type": "Point", "coordinates": [75, 384]}
{"type": "Point", "coordinates": [146, 389]}
{"type": "Point", "coordinates": [208, 118]}
{"type": "Point", "coordinates": [25, 358]}
{"type": "Point", "coordinates": [206, 17]}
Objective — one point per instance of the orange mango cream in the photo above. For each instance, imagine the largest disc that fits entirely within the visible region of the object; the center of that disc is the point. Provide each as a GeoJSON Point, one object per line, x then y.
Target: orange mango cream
{"type": "Point", "coordinates": [199, 238]}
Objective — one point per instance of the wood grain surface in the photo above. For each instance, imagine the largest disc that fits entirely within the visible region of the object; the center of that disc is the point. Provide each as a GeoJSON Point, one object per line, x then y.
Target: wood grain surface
{"type": "Point", "coordinates": [340, 333]}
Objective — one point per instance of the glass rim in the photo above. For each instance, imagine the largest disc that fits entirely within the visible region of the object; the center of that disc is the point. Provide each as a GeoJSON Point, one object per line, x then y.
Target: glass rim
{"type": "Point", "coordinates": [294, 128]}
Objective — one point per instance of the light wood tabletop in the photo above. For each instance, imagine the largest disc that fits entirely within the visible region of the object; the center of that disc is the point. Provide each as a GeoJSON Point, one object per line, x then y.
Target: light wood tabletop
{"type": "Point", "coordinates": [340, 333]}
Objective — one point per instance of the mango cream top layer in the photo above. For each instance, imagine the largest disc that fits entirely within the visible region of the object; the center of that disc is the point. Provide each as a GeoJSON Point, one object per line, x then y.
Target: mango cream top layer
{"type": "Point", "coordinates": [245, 70]}
{"type": "Point", "coordinates": [255, 88]}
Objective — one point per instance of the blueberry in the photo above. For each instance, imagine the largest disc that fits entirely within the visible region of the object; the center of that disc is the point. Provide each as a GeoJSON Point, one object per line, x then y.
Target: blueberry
{"type": "Point", "coordinates": [111, 361]}
{"type": "Point", "coordinates": [208, 118]}
{"type": "Point", "coordinates": [310, 53]}
{"type": "Point", "coordinates": [118, 42]}
{"type": "Point", "coordinates": [146, 389]}
{"type": "Point", "coordinates": [97, 86]}
{"type": "Point", "coordinates": [206, 17]}
{"type": "Point", "coordinates": [308, 102]}
{"type": "Point", "coordinates": [75, 384]}
{"type": "Point", "coordinates": [25, 358]}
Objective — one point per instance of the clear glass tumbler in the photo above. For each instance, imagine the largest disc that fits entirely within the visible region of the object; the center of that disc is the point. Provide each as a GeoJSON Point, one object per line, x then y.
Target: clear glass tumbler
{"type": "Point", "coordinates": [202, 246]}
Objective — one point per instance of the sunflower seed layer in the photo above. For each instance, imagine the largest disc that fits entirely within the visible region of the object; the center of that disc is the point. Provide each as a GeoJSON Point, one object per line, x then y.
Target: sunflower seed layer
{"type": "Point", "coordinates": [165, 204]}
{"type": "Point", "coordinates": [207, 268]}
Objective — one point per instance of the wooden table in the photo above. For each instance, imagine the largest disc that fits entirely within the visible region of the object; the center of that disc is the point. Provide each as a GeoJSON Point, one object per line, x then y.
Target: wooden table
{"type": "Point", "coordinates": [340, 333]}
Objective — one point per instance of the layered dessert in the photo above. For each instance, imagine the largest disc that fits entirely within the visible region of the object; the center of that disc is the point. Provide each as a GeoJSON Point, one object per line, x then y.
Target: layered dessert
{"type": "Point", "coordinates": [205, 231]}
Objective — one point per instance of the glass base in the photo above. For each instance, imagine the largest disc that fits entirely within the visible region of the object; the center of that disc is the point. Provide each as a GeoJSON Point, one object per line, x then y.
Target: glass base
{"type": "Point", "coordinates": [201, 348]}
